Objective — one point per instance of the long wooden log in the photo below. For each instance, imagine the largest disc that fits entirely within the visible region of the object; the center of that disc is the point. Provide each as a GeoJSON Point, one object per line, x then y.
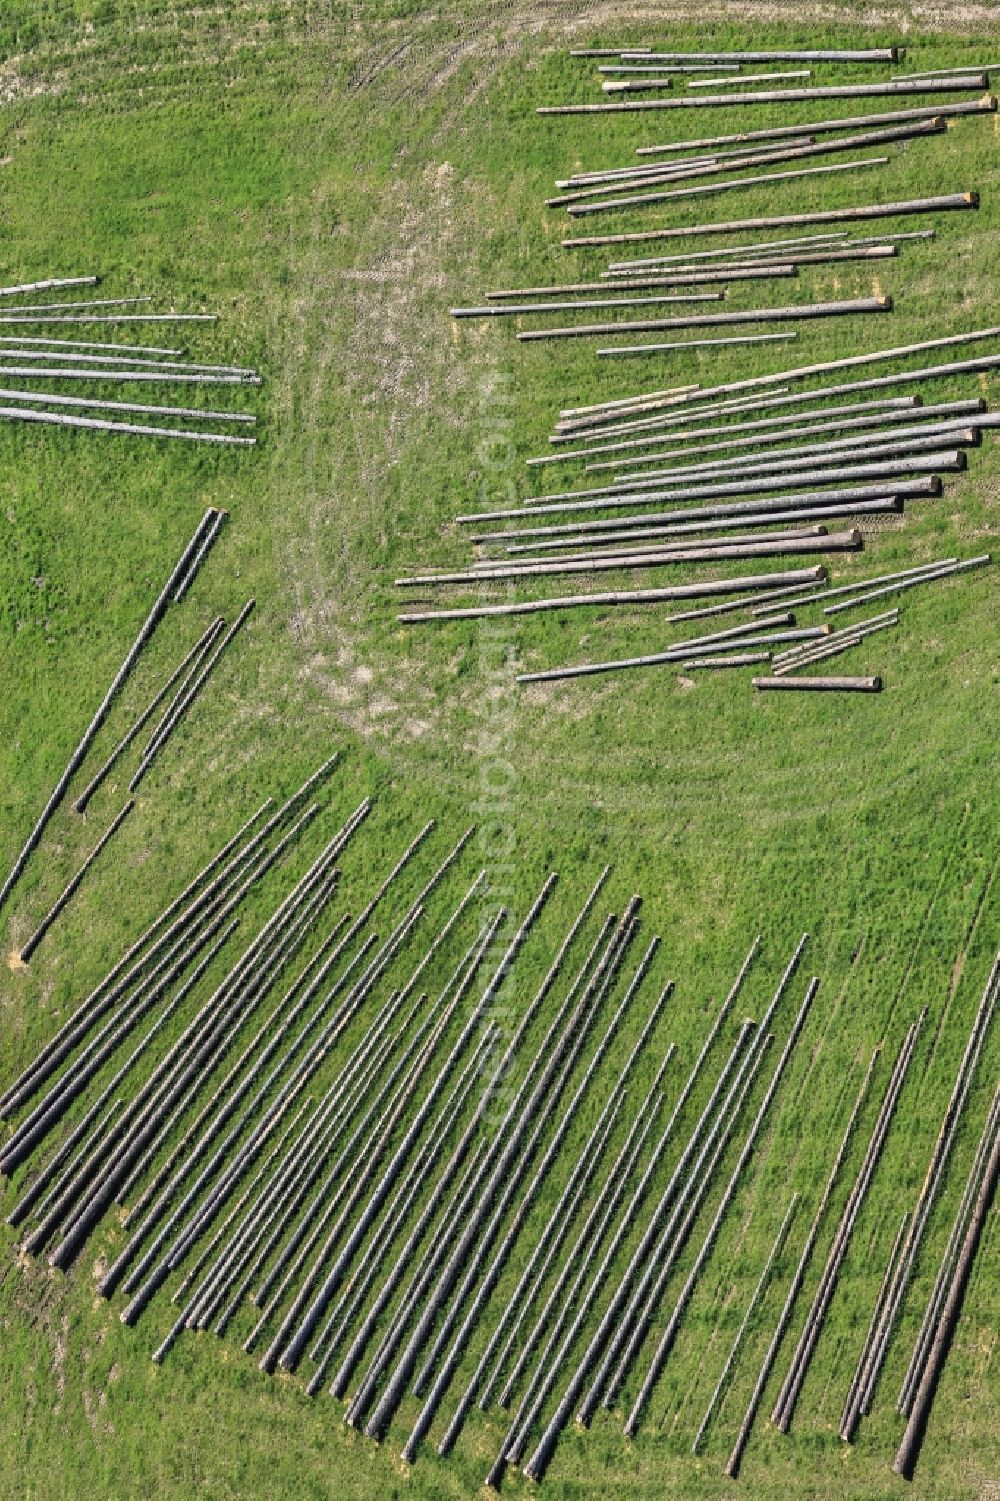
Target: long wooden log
{"type": "Point", "coordinates": [692, 530]}
{"type": "Point", "coordinates": [906, 489]}
{"type": "Point", "coordinates": [752, 1306]}
{"type": "Point", "coordinates": [634, 106]}
{"type": "Point", "coordinates": [848, 1416]}
{"type": "Point", "coordinates": [51, 399]}
{"type": "Point", "coordinates": [51, 284]}
{"type": "Point", "coordinates": [164, 732]}
{"type": "Point", "coordinates": [27, 342]}
{"type": "Point", "coordinates": [782, 377]}
{"type": "Point", "coordinates": [524, 310]}
{"type": "Point", "coordinates": [737, 659]}
{"type": "Point", "coordinates": [714, 320]}
{"type": "Point", "coordinates": [827, 55]}
{"type": "Point", "coordinates": [900, 585]}
{"type": "Point", "coordinates": [687, 278]}
{"type": "Point", "coordinates": [667, 172]}
{"type": "Point", "coordinates": [845, 642]}
{"type": "Point", "coordinates": [973, 83]}
{"type": "Point", "coordinates": [157, 375]}
{"type": "Point", "coordinates": [706, 589]}
{"type": "Point", "coordinates": [849, 541]}
{"type": "Point", "coordinates": [596, 201]}
{"type": "Point", "coordinates": [663, 658]}
{"type": "Point", "coordinates": [909, 1448]}
{"type": "Point", "coordinates": [859, 584]}
{"type": "Point", "coordinates": [943, 203]}
{"type": "Point", "coordinates": [666, 539]}
{"type": "Point", "coordinates": [860, 1398]}
{"type": "Point", "coordinates": [823, 685]}
{"type": "Point", "coordinates": [149, 625]}
{"type": "Point", "coordinates": [633, 349]}
{"type": "Point", "coordinates": [986, 105]}
{"type": "Point", "coordinates": [208, 542]}
{"type": "Point", "coordinates": [766, 431]}
{"type": "Point", "coordinates": [873, 477]}
{"type": "Point", "coordinates": [200, 646]}
{"type": "Point", "coordinates": [722, 430]}
{"type": "Point", "coordinates": [69, 891]}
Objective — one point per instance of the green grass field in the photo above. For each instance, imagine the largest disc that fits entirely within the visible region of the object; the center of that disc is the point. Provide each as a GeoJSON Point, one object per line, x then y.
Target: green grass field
{"type": "Point", "coordinates": [331, 181]}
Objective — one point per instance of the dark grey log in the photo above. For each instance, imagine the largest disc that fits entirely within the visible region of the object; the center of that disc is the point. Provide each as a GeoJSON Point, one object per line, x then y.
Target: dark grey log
{"type": "Point", "coordinates": [200, 647]}
{"type": "Point", "coordinates": [869, 1369]}
{"type": "Point", "coordinates": [359, 1286]}
{"type": "Point", "coordinates": [264, 1227]}
{"type": "Point", "coordinates": [77, 1024]}
{"type": "Point", "coordinates": [742, 1437]}
{"type": "Point", "coordinates": [168, 968]}
{"type": "Point", "coordinates": [946, 1265]}
{"type": "Point", "coordinates": [784, 1409]}
{"type": "Point", "coordinates": [538, 1462]}
{"type": "Point", "coordinates": [300, 1074]}
{"type": "Point", "coordinates": [191, 691]}
{"type": "Point", "coordinates": [850, 1411]}
{"type": "Point", "coordinates": [308, 1306]}
{"type": "Point", "coordinates": [545, 1376]}
{"type": "Point", "coordinates": [822, 685]}
{"type": "Point", "coordinates": [715, 320]}
{"type": "Point", "coordinates": [512, 1158]}
{"type": "Point", "coordinates": [41, 1182]}
{"type": "Point", "coordinates": [754, 1303]}
{"type": "Point", "coordinates": [152, 620]}
{"type": "Point", "coordinates": [493, 1273]}
{"type": "Point", "coordinates": [666, 1341]}
{"type": "Point", "coordinates": [207, 544]}
{"type": "Point", "coordinates": [651, 1265]}
{"type": "Point", "coordinates": [63, 900]}
{"type": "Point", "coordinates": [909, 1448]}
{"type": "Point", "coordinates": [470, 1191]}
{"type": "Point", "coordinates": [205, 1033]}
{"type": "Point", "coordinates": [290, 1085]}
{"type": "Point", "coordinates": [475, 1176]}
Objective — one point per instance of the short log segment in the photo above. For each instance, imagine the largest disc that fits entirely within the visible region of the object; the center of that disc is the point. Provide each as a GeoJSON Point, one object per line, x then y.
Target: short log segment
{"type": "Point", "coordinates": [822, 685]}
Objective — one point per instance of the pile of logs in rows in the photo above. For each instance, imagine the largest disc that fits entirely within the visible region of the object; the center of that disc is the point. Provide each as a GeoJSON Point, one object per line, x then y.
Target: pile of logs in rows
{"type": "Point", "coordinates": [62, 361]}
{"type": "Point", "coordinates": [792, 466]}
{"type": "Point", "coordinates": [340, 1144]}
